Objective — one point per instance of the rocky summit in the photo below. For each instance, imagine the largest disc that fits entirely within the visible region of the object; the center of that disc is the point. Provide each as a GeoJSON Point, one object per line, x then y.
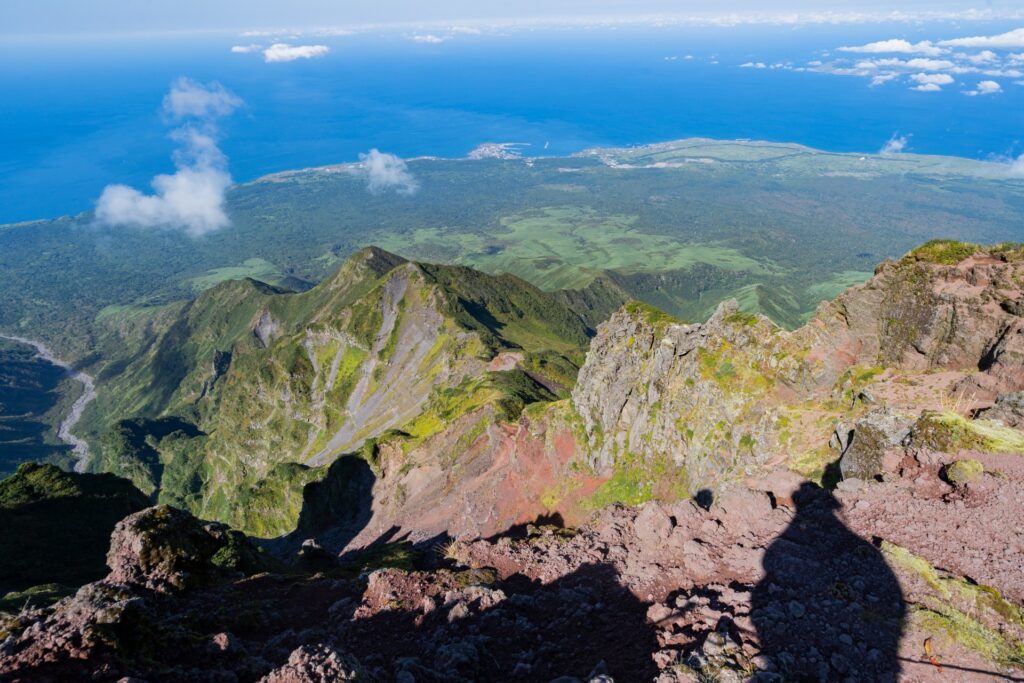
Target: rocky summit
{"type": "Point", "coordinates": [423, 473]}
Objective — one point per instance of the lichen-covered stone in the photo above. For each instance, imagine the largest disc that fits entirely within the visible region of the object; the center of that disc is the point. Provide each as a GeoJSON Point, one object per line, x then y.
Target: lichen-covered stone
{"type": "Point", "coordinates": [964, 472]}
{"type": "Point", "coordinates": [873, 435]}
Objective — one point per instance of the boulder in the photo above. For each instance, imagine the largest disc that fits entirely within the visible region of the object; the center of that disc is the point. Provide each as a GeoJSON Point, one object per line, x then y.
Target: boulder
{"type": "Point", "coordinates": [960, 473]}
{"type": "Point", "coordinates": [317, 664]}
{"type": "Point", "coordinates": [874, 434]}
{"type": "Point", "coordinates": [165, 549]}
{"type": "Point", "coordinates": [1008, 409]}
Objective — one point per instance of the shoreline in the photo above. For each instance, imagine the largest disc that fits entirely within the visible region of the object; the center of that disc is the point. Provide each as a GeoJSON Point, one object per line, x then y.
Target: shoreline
{"type": "Point", "coordinates": [988, 167]}
{"type": "Point", "coordinates": [78, 445]}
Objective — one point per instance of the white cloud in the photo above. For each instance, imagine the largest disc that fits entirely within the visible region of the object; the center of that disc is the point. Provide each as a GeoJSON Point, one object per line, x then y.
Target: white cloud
{"type": "Point", "coordinates": [1017, 166]}
{"type": "Point", "coordinates": [189, 99]}
{"type": "Point", "coordinates": [894, 60]}
{"type": "Point", "coordinates": [387, 172]}
{"type": "Point", "coordinates": [1009, 40]}
{"type": "Point", "coordinates": [754, 65]}
{"type": "Point", "coordinates": [930, 82]}
{"type": "Point", "coordinates": [896, 144]}
{"type": "Point", "coordinates": [191, 198]}
{"type": "Point", "coordinates": [937, 80]}
{"type": "Point", "coordinates": [243, 49]}
{"type": "Point", "coordinates": [985, 88]}
{"type": "Point", "coordinates": [928, 64]}
{"type": "Point", "coordinates": [429, 38]}
{"type": "Point", "coordinates": [916, 64]}
{"type": "Point", "coordinates": [983, 57]}
{"type": "Point", "coordinates": [283, 52]}
{"type": "Point", "coordinates": [896, 45]}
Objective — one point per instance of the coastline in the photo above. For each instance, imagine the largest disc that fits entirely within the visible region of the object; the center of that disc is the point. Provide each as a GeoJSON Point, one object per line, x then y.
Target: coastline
{"type": "Point", "coordinates": [509, 151]}
{"type": "Point", "coordinates": [64, 431]}
{"type": "Point", "coordinates": [980, 168]}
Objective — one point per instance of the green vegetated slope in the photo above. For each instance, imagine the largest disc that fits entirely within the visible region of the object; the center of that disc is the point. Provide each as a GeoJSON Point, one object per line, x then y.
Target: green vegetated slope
{"type": "Point", "coordinates": [55, 526]}
{"type": "Point", "coordinates": [681, 225]}
{"type": "Point", "coordinates": [231, 404]}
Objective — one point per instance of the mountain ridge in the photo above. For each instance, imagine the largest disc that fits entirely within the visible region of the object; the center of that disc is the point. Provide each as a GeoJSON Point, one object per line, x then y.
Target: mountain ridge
{"type": "Point", "coordinates": [257, 375]}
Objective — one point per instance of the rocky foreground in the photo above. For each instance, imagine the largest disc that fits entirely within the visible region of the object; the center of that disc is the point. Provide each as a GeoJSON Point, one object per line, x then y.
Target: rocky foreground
{"type": "Point", "coordinates": [840, 502]}
{"type": "Point", "coordinates": [781, 580]}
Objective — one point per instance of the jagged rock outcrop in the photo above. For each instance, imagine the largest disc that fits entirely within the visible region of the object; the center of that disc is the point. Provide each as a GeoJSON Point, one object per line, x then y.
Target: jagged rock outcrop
{"type": "Point", "coordinates": [693, 394]}
{"type": "Point", "coordinates": [726, 396]}
{"type": "Point", "coordinates": [932, 310]}
{"type": "Point", "coordinates": [164, 549]}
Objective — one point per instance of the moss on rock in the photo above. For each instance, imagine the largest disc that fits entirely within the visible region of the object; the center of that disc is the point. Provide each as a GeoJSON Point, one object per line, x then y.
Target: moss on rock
{"type": "Point", "coordinates": [944, 251]}
{"type": "Point", "coordinates": [963, 472]}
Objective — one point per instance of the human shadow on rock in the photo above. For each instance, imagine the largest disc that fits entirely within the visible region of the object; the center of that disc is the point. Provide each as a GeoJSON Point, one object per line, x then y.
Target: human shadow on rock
{"type": "Point", "coordinates": [828, 607]}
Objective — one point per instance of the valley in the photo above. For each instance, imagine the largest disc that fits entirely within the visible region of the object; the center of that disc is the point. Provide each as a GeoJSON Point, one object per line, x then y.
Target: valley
{"type": "Point", "coordinates": [67, 424]}
{"type": "Point", "coordinates": [39, 409]}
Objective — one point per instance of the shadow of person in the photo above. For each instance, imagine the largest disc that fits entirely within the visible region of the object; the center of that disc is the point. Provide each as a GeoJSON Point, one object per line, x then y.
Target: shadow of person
{"type": "Point", "coordinates": [828, 607]}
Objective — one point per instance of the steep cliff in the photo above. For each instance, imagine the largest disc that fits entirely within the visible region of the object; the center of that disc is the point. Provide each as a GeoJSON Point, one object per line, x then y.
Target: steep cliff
{"type": "Point", "coordinates": [717, 400]}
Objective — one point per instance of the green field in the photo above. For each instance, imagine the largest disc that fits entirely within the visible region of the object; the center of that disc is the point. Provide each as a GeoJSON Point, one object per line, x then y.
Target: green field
{"type": "Point", "coordinates": [256, 268]}
{"type": "Point", "coordinates": [679, 225]}
{"type": "Point", "coordinates": [561, 247]}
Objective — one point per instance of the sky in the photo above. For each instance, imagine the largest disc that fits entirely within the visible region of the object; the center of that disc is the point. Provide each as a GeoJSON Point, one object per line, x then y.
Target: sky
{"type": "Point", "coordinates": [20, 18]}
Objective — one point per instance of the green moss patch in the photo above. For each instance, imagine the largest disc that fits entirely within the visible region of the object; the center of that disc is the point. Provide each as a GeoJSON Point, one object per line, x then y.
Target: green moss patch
{"type": "Point", "coordinates": [651, 315]}
{"type": "Point", "coordinates": [951, 432]}
{"type": "Point", "coordinates": [943, 251]}
{"type": "Point", "coordinates": [963, 472]}
{"type": "Point", "coordinates": [636, 480]}
{"type": "Point", "coordinates": [35, 597]}
{"type": "Point", "coordinates": [962, 611]}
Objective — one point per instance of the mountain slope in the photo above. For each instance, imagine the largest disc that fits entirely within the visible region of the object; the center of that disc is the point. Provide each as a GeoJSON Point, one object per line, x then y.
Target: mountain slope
{"type": "Point", "coordinates": [252, 391]}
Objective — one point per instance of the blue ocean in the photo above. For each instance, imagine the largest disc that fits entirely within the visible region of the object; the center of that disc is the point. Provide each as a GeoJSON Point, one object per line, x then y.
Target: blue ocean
{"type": "Point", "coordinates": [78, 114]}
